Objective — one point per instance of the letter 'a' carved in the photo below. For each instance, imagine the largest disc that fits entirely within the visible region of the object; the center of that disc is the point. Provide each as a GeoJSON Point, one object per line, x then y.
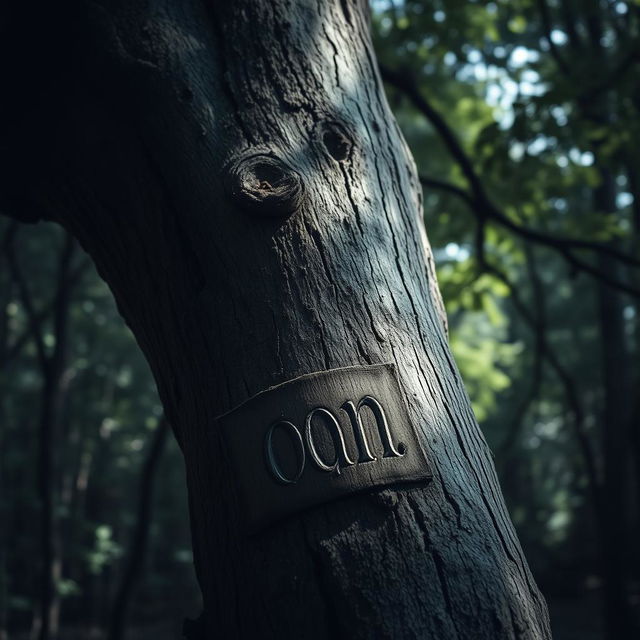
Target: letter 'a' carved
{"type": "Point", "coordinates": [320, 437]}
{"type": "Point", "coordinates": [341, 455]}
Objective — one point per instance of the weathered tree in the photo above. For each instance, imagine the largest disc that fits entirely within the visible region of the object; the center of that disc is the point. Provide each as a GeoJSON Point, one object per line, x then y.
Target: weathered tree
{"type": "Point", "coordinates": [235, 173]}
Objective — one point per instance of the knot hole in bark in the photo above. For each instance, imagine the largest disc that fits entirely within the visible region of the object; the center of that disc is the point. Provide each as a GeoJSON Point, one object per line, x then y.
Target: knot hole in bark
{"type": "Point", "coordinates": [337, 141]}
{"type": "Point", "coordinates": [265, 185]}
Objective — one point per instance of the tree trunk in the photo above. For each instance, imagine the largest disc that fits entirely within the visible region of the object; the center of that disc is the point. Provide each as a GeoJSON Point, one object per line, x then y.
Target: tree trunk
{"type": "Point", "coordinates": [140, 539]}
{"type": "Point", "coordinates": [617, 377]}
{"type": "Point", "coordinates": [616, 437]}
{"type": "Point", "coordinates": [634, 187]}
{"type": "Point", "coordinates": [52, 366]}
{"type": "Point", "coordinates": [236, 174]}
{"type": "Point", "coordinates": [5, 510]}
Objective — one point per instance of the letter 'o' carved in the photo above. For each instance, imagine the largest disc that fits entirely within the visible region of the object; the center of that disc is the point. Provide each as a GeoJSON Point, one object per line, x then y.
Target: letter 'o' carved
{"type": "Point", "coordinates": [272, 462]}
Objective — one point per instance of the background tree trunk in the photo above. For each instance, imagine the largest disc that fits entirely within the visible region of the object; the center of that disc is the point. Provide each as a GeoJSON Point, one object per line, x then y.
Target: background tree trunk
{"type": "Point", "coordinates": [52, 368]}
{"type": "Point", "coordinates": [617, 442]}
{"type": "Point", "coordinates": [131, 141]}
{"type": "Point", "coordinates": [617, 374]}
{"type": "Point", "coordinates": [139, 542]}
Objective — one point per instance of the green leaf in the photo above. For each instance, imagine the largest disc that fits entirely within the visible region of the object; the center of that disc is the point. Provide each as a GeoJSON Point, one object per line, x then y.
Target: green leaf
{"type": "Point", "coordinates": [517, 24]}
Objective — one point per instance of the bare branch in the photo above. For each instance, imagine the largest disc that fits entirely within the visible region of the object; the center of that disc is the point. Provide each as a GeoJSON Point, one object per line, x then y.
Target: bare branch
{"type": "Point", "coordinates": [62, 302]}
{"type": "Point", "coordinates": [486, 213]}
{"type": "Point", "coordinates": [33, 317]}
{"type": "Point", "coordinates": [443, 185]}
{"type": "Point", "coordinates": [406, 84]}
{"type": "Point", "coordinates": [539, 328]}
{"type": "Point", "coordinates": [545, 15]}
{"type": "Point", "coordinates": [627, 62]}
{"type": "Point", "coordinates": [482, 204]}
{"type": "Point", "coordinates": [75, 276]}
{"type": "Point", "coordinates": [570, 390]}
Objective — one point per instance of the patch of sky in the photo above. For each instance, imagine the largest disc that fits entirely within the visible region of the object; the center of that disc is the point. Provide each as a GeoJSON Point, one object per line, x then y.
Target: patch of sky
{"type": "Point", "coordinates": [516, 151]}
{"type": "Point", "coordinates": [540, 144]}
{"type": "Point", "coordinates": [559, 115]}
{"type": "Point", "coordinates": [558, 37]}
{"type": "Point", "coordinates": [582, 158]}
{"type": "Point", "coordinates": [450, 58]}
{"type": "Point", "coordinates": [559, 204]}
{"type": "Point", "coordinates": [454, 251]}
{"type": "Point", "coordinates": [624, 199]}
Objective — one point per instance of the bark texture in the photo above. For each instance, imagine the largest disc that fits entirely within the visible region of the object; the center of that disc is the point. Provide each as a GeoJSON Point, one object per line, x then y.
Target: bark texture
{"type": "Point", "coordinates": [235, 172]}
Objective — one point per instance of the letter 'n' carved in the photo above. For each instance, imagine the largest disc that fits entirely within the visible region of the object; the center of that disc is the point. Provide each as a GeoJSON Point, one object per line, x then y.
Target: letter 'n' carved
{"type": "Point", "coordinates": [390, 450]}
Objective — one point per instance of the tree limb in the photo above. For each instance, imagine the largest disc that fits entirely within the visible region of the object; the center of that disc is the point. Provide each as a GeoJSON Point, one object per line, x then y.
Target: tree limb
{"type": "Point", "coordinates": [483, 206]}
{"type": "Point", "coordinates": [33, 317]}
{"type": "Point", "coordinates": [613, 76]}
{"type": "Point", "coordinates": [540, 347]}
{"type": "Point", "coordinates": [553, 49]}
{"type": "Point", "coordinates": [486, 212]}
{"type": "Point", "coordinates": [75, 275]}
{"type": "Point", "coordinates": [570, 390]}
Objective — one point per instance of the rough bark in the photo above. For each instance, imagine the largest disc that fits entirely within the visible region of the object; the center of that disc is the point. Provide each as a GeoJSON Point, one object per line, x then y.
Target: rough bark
{"type": "Point", "coordinates": [138, 145]}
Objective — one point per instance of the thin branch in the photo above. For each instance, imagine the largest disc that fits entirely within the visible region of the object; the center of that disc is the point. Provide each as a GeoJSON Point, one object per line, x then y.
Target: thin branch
{"type": "Point", "coordinates": [612, 77]}
{"type": "Point", "coordinates": [407, 85]}
{"type": "Point", "coordinates": [570, 390]}
{"type": "Point", "coordinates": [561, 243]}
{"type": "Point", "coordinates": [545, 15]}
{"type": "Point", "coordinates": [140, 538]}
{"type": "Point", "coordinates": [485, 212]}
{"type": "Point", "coordinates": [443, 185]}
{"type": "Point", "coordinates": [62, 302]}
{"type": "Point", "coordinates": [539, 328]}
{"type": "Point", "coordinates": [570, 22]}
{"type": "Point", "coordinates": [18, 344]}
{"type": "Point", "coordinates": [483, 205]}
{"type": "Point", "coordinates": [523, 407]}
{"type": "Point", "coordinates": [600, 275]}
{"type": "Point", "coordinates": [34, 319]}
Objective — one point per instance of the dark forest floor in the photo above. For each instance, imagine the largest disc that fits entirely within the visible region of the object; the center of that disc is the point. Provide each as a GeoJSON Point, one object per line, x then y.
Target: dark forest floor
{"type": "Point", "coordinates": [572, 618]}
{"type": "Point", "coordinates": [577, 618]}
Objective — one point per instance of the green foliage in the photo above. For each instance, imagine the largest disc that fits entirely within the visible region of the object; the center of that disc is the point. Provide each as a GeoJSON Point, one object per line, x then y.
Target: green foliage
{"type": "Point", "coordinates": [110, 409]}
{"type": "Point", "coordinates": [485, 361]}
{"type": "Point", "coordinates": [548, 115]}
{"type": "Point", "coordinates": [104, 551]}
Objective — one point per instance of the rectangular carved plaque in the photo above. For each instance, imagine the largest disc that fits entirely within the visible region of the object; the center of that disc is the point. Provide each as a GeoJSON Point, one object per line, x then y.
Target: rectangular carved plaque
{"type": "Point", "coordinates": [319, 437]}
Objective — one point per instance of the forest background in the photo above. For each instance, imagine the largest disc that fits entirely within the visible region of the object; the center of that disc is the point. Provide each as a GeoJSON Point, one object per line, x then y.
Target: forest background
{"type": "Point", "coordinates": [524, 119]}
